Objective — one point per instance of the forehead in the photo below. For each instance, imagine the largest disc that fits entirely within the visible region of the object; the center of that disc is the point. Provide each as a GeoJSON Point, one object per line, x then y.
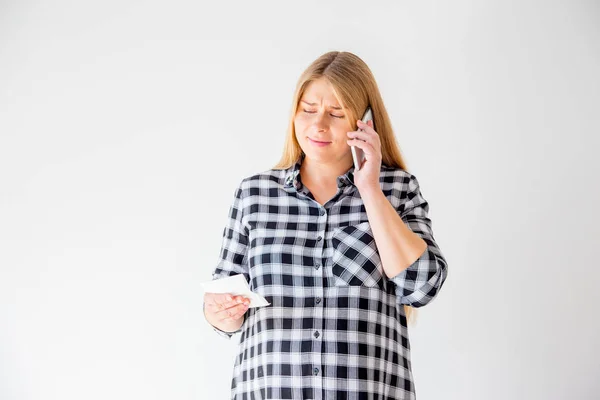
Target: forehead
{"type": "Point", "coordinates": [320, 91]}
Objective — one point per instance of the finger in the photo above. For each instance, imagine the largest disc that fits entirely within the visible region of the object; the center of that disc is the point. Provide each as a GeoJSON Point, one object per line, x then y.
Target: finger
{"type": "Point", "coordinates": [365, 146]}
{"type": "Point", "coordinates": [358, 135]}
{"type": "Point", "coordinates": [237, 307]}
{"type": "Point", "coordinates": [209, 299]}
{"type": "Point", "coordinates": [366, 135]}
{"type": "Point", "coordinates": [241, 299]}
{"type": "Point", "coordinates": [219, 297]}
{"type": "Point", "coordinates": [366, 127]}
{"type": "Point", "coordinates": [219, 301]}
{"type": "Point", "coordinates": [232, 313]}
{"type": "Point", "coordinates": [215, 307]}
{"type": "Point", "coordinates": [234, 300]}
{"type": "Point", "coordinates": [240, 312]}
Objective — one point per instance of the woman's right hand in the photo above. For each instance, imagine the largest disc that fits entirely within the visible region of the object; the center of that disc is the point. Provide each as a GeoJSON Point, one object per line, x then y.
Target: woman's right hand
{"type": "Point", "coordinates": [225, 310]}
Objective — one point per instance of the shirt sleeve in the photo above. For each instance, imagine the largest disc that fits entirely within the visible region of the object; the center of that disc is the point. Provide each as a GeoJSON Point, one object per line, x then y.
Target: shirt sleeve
{"type": "Point", "coordinates": [233, 258]}
{"type": "Point", "coordinates": [420, 283]}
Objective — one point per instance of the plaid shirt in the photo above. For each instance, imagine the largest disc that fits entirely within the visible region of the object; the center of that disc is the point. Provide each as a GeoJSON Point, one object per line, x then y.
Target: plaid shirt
{"type": "Point", "coordinates": [336, 327]}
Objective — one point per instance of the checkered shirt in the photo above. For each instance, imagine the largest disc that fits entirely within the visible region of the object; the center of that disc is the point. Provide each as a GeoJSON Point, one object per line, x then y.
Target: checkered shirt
{"type": "Point", "coordinates": [336, 327]}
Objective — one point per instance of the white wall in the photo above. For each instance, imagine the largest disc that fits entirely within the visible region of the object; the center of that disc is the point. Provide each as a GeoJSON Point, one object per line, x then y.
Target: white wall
{"type": "Point", "coordinates": [116, 119]}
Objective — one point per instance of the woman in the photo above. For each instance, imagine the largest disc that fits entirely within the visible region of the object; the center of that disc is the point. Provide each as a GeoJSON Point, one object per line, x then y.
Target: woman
{"type": "Point", "coordinates": [341, 254]}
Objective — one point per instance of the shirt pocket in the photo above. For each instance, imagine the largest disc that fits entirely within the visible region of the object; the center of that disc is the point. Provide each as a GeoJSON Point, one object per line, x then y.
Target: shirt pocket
{"type": "Point", "coordinates": [355, 259]}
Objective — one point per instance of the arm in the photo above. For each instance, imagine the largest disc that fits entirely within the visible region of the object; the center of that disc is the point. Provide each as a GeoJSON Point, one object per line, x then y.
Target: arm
{"type": "Point", "coordinates": [410, 256]}
{"type": "Point", "coordinates": [233, 260]}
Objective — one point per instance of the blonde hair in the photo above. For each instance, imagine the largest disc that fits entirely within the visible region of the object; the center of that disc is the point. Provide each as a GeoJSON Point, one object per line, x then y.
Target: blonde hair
{"type": "Point", "coordinates": [355, 88]}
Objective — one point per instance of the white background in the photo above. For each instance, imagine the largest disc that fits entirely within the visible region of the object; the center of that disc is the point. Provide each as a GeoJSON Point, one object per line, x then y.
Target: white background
{"type": "Point", "coordinates": [125, 127]}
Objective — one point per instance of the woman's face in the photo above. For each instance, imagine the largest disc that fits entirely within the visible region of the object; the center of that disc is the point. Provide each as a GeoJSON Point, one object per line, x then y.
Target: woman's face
{"type": "Point", "coordinates": [322, 125]}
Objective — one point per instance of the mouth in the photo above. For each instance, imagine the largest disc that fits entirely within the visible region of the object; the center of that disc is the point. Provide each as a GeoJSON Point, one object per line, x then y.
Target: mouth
{"type": "Point", "coordinates": [317, 141]}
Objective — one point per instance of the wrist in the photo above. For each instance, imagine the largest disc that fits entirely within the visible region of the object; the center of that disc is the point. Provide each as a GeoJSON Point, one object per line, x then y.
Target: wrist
{"type": "Point", "coordinates": [371, 194]}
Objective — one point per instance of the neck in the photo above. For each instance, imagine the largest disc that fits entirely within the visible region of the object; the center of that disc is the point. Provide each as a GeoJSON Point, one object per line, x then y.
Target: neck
{"type": "Point", "coordinates": [323, 173]}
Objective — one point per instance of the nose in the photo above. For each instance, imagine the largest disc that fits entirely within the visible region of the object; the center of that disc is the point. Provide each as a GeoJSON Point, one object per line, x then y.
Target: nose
{"type": "Point", "coordinates": [321, 122]}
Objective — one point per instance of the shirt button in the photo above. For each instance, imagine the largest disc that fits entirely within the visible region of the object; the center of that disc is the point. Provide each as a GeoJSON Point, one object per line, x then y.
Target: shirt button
{"type": "Point", "coordinates": [317, 334]}
{"type": "Point", "coordinates": [321, 212]}
{"type": "Point", "coordinates": [317, 266]}
{"type": "Point", "coordinates": [316, 371]}
{"type": "Point", "coordinates": [318, 300]}
{"type": "Point", "coordinates": [319, 238]}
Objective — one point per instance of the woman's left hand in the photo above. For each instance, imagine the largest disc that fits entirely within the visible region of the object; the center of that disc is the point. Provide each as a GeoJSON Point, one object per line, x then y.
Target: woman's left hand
{"type": "Point", "coordinates": [367, 178]}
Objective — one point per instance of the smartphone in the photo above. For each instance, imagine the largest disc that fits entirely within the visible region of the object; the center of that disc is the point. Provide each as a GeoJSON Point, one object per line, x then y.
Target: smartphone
{"type": "Point", "coordinates": [357, 153]}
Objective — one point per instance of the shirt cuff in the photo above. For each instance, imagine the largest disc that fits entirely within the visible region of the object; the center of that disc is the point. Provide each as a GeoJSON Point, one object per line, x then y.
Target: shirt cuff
{"type": "Point", "coordinates": [418, 284]}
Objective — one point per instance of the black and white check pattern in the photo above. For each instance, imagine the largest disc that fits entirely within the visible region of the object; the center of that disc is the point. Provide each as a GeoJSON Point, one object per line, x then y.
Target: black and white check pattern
{"type": "Point", "coordinates": [336, 327]}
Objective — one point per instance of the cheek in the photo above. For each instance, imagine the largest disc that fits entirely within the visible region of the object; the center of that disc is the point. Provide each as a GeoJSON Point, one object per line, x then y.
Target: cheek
{"type": "Point", "coordinates": [299, 125]}
{"type": "Point", "coordinates": [341, 132]}
{"type": "Point", "coordinates": [345, 125]}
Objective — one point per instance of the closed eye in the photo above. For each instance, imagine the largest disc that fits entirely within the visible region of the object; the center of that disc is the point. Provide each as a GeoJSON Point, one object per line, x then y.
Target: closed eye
{"type": "Point", "coordinates": [312, 112]}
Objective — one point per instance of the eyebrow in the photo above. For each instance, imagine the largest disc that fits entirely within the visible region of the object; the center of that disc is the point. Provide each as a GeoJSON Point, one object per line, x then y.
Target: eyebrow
{"type": "Point", "coordinates": [314, 104]}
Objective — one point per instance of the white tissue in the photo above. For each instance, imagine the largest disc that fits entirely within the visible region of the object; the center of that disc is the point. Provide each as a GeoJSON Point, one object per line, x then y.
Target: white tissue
{"type": "Point", "coordinates": [237, 286]}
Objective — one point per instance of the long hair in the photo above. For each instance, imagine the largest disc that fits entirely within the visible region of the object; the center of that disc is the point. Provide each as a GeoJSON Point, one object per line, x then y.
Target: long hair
{"type": "Point", "coordinates": [355, 88]}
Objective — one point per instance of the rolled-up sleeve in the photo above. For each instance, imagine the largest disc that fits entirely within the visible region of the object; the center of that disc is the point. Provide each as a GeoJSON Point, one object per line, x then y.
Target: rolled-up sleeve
{"type": "Point", "coordinates": [233, 256]}
{"type": "Point", "coordinates": [420, 283]}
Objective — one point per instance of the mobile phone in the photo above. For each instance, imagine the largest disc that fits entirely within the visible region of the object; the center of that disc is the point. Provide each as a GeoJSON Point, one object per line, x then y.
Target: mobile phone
{"type": "Point", "coordinates": [358, 155]}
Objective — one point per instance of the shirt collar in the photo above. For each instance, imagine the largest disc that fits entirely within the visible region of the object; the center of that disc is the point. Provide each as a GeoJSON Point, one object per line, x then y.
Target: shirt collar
{"type": "Point", "coordinates": [293, 180]}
